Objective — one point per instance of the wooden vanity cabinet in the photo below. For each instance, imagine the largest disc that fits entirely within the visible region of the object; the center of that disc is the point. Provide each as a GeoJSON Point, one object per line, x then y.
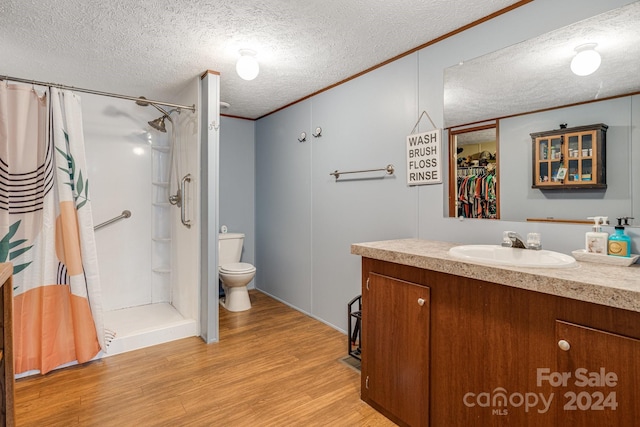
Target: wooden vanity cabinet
{"type": "Point", "coordinates": [482, 349]}
{"type": "Point", "coordinates": [570, 158]}
{"type": "Point", "coordinates": [396, 340]}
{"type": "Point", "coordinates": [7, 413]}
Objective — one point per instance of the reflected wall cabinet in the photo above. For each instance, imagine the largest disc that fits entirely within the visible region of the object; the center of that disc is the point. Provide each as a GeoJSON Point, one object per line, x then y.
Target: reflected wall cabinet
{"type": "Point", "coordinates": [570, 158]}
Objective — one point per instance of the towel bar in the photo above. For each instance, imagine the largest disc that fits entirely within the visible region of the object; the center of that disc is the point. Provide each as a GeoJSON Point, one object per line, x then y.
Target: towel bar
{"type": "Point", "coordinates": [389, 169]}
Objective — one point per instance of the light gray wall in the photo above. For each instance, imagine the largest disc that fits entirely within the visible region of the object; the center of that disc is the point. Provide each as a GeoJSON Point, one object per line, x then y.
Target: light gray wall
{"type": "Point", "coordinates": [305, 221]}
{"type": "Point", "coordinates": [237, 181]}
{"type": "Point", "coordinates": [364, 127]}
{"type": "Point", "coordinates": [283, 206]}
{"type": "Point", "coordinates": [635, 159]}
{"type": "Point", "coordinates": [519, 201]}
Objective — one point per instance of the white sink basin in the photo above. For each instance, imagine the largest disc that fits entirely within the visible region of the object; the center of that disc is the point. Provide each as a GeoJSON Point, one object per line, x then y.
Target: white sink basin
{"type": "Point", "coordinates": [498, 255]}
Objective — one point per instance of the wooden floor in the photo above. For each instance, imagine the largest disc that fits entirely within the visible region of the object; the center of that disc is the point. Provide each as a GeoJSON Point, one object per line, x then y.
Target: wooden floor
{"type": "Point", "coordinates": [273, 366]}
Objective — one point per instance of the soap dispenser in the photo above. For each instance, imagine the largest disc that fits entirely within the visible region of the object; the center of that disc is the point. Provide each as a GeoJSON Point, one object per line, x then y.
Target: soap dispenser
{"type": "Point", "coordinates": [620, 243]}
{"type": "Point", "coordinates": [596, 239]}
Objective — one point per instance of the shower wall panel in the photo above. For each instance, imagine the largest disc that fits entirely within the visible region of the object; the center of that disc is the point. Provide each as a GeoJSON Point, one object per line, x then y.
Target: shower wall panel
{"type": "Point", "coordinates": [186, 241]}
{"type": "Point", "coordinates": [120, 161]}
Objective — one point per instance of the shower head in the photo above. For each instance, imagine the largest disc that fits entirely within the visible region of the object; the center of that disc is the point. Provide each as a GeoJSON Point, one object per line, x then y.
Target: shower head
{"type": "Point", "coordinates": [158, 124]}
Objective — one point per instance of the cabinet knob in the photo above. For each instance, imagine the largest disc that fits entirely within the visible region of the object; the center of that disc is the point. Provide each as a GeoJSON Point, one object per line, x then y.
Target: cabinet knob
{"type": "Point", "coordinates": [420, 302]}
{"type": "Point", "coordinates": [564, 345]}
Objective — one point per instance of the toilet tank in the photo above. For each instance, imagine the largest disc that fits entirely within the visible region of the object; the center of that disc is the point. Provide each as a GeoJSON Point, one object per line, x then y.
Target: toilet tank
{"type": "Point", "coordinates": [229, 247]}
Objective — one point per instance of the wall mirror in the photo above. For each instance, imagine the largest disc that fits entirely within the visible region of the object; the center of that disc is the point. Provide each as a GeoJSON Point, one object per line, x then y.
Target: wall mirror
{"type": "Point", "coordinates": [536, 74]}
{"type": "Point", "coordinates": [473, 192]}
{"type": "Point", "coordinates": [529, 87]}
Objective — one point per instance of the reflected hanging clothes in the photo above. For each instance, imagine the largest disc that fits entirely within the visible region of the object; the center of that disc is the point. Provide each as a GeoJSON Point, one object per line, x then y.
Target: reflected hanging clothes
{"type": "Point", "coordinates": [477, 196]}
{"type": "Point", "coordinates": [46, 229]}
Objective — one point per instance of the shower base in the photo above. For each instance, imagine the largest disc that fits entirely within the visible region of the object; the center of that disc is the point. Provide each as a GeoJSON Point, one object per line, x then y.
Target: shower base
{"type": "Point", "coordinates": [139, 327]}
{"type": "Point", "coordinates": [144, 326]}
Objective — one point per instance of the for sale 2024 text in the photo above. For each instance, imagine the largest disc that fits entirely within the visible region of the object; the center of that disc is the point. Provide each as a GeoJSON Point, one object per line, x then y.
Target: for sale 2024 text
{"type": "Point", "coordinates": [595, 396]}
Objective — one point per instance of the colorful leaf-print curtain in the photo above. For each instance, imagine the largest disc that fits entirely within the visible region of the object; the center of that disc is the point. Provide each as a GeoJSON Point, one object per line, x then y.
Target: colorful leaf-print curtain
{"type": "Point", "coordinates": [46, 229]}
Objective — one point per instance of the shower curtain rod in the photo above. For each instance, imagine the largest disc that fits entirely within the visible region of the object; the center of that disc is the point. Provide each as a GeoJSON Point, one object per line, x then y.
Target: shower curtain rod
{"type": "Point", "coordinates": [96, 92]}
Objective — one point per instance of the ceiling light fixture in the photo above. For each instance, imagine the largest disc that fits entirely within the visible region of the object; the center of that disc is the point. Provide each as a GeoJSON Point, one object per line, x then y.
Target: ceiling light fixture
{"type": "Point", "coordinates": [247, 65]}
{"type": "Point", "coordinates": [586, 61]}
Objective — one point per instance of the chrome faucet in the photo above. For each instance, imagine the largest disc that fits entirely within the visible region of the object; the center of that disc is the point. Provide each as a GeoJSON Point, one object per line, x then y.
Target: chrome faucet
{"type": "Point", "coordinates": [511, 239]}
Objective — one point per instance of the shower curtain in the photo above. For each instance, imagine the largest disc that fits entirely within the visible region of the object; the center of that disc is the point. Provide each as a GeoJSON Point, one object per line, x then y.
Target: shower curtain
{"type": "Point", "coordinates": [46, 229]}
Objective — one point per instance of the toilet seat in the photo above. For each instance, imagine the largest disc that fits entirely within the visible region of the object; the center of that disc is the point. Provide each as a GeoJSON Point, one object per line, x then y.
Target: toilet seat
{"type": "Point", "coordinates": [237, 268]}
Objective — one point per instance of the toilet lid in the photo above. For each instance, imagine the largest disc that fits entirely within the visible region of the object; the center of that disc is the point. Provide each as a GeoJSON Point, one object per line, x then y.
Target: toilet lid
{"type": "Point", "coordinates": [237, 267]}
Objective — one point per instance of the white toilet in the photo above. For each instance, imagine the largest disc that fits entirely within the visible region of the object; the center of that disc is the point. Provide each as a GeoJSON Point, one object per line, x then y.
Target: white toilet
{"type": "Point", "coordinates": [235, 275]}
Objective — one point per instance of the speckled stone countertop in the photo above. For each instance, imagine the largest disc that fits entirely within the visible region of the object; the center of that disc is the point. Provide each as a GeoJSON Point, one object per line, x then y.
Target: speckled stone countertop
{"type": "Point", "coordinates": [597, 283]}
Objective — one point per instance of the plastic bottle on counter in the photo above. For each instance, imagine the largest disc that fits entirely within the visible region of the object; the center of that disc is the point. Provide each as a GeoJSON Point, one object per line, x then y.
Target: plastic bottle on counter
{"type": "Point", "coordinates": [620, 242]}
{"type": "Point", "coordinates": [596, 239]}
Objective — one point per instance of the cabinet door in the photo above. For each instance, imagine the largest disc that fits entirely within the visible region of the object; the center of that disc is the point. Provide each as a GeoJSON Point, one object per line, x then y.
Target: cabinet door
{"type": "Point", "coordinates": [549, 160]}
{"type": "Point", "coordinates": [597, 377]}
{"type": "Point", "coordinates": [582, 158]}
{"type": "Point", "coordinates": [395, 348]}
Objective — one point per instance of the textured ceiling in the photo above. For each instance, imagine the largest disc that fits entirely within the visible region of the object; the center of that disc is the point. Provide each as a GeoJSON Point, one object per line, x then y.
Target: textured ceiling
{"type": "Point", "coordinates": [155, 47]}
{"type": "Point", "coordinates": [535, 74]}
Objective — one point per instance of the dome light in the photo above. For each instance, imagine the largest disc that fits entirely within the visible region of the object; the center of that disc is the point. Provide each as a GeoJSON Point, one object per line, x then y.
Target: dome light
{"type": "Point", "coordinates": [586, 61]}
{"type": "Point", "coordinates": [247, 65]}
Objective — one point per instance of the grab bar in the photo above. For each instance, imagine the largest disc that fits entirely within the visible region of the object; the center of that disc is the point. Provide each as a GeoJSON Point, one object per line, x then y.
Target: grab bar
{"type": "Point", "coordinates": [183, 205]}
{"type": "Point", "coordinates": [124, 214]}
{"type": "Point", "coordinates": [389, 169]}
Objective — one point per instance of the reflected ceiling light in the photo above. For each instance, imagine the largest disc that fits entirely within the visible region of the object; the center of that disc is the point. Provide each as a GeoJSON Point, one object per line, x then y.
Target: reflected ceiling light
{"type": "Point", "coordinates": [586, 61]}
{"type": "Point", "coordinates": [247, 65]}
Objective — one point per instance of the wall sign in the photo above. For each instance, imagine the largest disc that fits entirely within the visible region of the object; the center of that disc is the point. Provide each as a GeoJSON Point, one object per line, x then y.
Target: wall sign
{"type": "Point", "coordinates": [424, 158]}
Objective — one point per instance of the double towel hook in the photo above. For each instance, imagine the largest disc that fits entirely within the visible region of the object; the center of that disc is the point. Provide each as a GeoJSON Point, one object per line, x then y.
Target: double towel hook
{"type": "Point", "coordinates": [316, 134]}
